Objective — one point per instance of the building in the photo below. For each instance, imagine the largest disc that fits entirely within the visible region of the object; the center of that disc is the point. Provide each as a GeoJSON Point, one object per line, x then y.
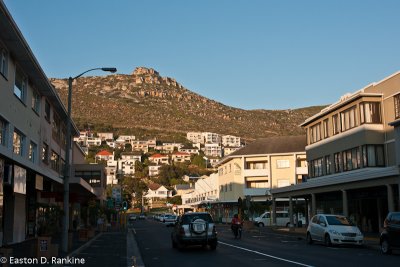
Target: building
{"type": "Point", "coordinates": [213, 149]}
{"type": "Point", "coordinates": [261, 166]}
{"type": "Point", "coordinates": [351, 154]}
{"type": "Point", "coordinates": [211, 138]}
{"type": "Point", "coordinates": [157, 196]}
{"type": "Point", "coordinates": [104, 155]}
{"type": "Point", "coordinates": [105, 136]}
{"type": "Point", "coordinates": [195, 137]}
{"type": "Point", "coordinates": [159, 159]}
{"type": "Point", "coordinates": [32, 141]}
{"type": "Point", "coordinates": [230, 140]}
{"type": "Point", "coordinates": [180, 157]}
{"type": "Point", "coordinates": [154, 170]}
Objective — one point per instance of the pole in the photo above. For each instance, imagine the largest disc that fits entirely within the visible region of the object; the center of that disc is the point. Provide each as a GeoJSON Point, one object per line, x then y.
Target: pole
{"type": "Point", "coordinates": [67, 171]}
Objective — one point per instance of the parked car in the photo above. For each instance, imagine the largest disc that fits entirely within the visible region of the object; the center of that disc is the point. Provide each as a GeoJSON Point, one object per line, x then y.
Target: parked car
{"type": "Point", "coordinates": [194, 228]}
{"type": "Point", "coordinates": [390, 236]}
{"type": "Point", "coordinates": [333, 229]}
{"type": "Point", "coordinates": [132, 217]}
{"type": "Point", "coordinates": [169, 219]}
{"type": "Point", "coordinates": [282, 219]}
{"type": "Point", "coordinates": [142, 216]}
{"type": "Point", "coordinates": [164, 216]}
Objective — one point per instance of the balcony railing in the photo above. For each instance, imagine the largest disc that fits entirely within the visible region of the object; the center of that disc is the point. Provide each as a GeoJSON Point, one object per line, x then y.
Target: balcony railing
{"type": "Point", "coordinates": [256, 172]}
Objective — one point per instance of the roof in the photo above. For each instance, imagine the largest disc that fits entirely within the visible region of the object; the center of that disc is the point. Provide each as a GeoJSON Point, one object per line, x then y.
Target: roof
{"type": "Point", "coordinates": [182, 186]}
{"type": "Point", "coordinates": [158, 156]}
{"type": "Point", "coordinates": [104, 153]}
{"type": "Point", "coordinates": [154, 186]}
{"type": "Point", "coordinates": [181, 154]}
{"type": "Point", "coordinates": [273, 145]}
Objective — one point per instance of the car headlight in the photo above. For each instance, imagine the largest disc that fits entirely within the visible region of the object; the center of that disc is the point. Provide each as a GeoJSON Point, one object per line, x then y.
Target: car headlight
{"type": "Point", "coordinates": [334, 232]}
{"type": "Point", "coordinates": [359, 233]}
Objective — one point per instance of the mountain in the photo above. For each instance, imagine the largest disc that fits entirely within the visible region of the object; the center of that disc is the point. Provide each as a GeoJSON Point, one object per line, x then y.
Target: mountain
{"type": "Point", "coordinates": [148, 105]}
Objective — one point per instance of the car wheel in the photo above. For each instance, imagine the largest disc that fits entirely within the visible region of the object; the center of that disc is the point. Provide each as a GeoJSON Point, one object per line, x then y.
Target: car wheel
{"type": "Point", "coordinates": [385, 248]}
{"type": "Point", "coordinates": [261, 225]}
{"type": "Point", "coordinates": [309, 239]}
{"type": "Point", "coordinates": [327, 240]}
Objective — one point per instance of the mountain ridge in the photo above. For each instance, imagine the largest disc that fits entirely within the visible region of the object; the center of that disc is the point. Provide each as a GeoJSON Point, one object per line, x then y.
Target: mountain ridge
{"type": "Point", "coordinates": [145, 101]}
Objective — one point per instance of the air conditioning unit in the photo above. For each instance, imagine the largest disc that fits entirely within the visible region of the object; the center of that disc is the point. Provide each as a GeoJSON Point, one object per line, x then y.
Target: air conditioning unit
{"type": "Point", "coordinates": [8, 169]}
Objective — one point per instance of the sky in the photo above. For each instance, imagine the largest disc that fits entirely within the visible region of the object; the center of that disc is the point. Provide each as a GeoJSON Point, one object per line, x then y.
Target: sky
{"type": "Point", "coordinates": [248, 54]}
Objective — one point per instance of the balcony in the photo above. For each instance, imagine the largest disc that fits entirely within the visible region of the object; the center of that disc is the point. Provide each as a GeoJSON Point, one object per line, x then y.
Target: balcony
{"type": "Point", "coordinates": [256, 172]}
{"type": "Point", "coordinates": [302, 170]}
{"type": "Point", "coordinates": [256, 191]}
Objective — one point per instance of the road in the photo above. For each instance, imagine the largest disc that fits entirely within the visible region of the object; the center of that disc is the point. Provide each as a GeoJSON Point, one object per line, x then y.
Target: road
{"type": "Point", "coordinates": [256, 248]}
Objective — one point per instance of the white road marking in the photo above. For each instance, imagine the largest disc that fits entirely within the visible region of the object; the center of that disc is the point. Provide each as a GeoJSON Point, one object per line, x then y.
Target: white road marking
{"type": "Point", "coordinates": [266, 255]}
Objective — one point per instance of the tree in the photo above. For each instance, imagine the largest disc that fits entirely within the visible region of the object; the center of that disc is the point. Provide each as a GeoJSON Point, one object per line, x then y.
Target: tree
{"type": "Point", "coordinates": [199, 161]}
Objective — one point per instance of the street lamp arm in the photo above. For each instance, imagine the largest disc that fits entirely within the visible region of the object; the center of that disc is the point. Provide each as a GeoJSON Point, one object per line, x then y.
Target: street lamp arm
{"type": "Point", "coordinates": [103, 69]}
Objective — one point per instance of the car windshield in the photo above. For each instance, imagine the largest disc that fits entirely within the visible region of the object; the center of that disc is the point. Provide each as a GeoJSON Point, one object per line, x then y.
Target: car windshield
{"type": "Point", "coordinates": [339, 220]}
{"type": "Point", "coordinates": [192, 217]}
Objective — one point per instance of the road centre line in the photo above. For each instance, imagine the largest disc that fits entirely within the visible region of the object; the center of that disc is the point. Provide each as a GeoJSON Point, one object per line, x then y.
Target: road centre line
{"type": "Point", "coordinates": [266, 255]}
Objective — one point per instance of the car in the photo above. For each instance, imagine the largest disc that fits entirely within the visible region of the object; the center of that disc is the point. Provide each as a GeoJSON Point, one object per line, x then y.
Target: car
{"type": "Point", "coordinates": [194, 228]}
{"type": "Point", "coordinates": [333, 229]}
{"type": "Point", "coordinates": [164, 216]}
{"type": "Point", "coordinates": [169, 219]}
{"type": "Point", "coordinates": [132, 217]}
{"type": "Point", "coordinates": [142, 216]}
{"type": "Point", "coordinates": [390, 236]}
{"type": "Point", "coordinates": [282, 219]}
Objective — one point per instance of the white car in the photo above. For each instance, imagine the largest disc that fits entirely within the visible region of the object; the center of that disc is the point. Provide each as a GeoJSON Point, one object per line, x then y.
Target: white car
{"type": "Point", "coordinates": [333, 229]}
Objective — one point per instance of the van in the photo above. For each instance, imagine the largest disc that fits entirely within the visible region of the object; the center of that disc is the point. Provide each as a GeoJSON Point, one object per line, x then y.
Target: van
{"type": "Point", "coordinates": [282, 219]}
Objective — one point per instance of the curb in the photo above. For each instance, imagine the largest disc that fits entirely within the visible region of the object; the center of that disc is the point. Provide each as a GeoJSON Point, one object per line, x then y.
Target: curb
{"type": "Point", "coordinates": [78, 250]}
{"type": "Point", "coordinates": [134, 258]}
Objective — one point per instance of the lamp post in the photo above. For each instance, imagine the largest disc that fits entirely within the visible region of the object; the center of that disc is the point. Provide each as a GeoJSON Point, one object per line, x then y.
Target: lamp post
{"type": "Point", "coordinates": [67, 168]}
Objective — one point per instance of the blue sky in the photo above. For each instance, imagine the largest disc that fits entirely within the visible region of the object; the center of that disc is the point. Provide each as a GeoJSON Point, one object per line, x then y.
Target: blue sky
{"type": "Point", "coordinates": [250, 54]}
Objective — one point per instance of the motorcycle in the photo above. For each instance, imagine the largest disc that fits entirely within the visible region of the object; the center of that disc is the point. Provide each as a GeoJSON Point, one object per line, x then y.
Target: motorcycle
{"type": "Point", "coordinates": [237, 229]}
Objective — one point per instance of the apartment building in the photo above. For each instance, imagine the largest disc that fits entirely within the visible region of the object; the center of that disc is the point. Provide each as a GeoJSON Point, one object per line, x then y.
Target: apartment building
{"type": "Point", "coordinates": [195, 137]}
{"type": "Point", "coordinates": [180, 157]}
{"type": "Point", "coordinates": [351, 154]}
{"type": "Point", "coordinates": [213, 149]}
{"type": "Point", "coordinates": [230, 140]}
{"type": "Point", "coordinates": [159, 159]}
{"type": "Point", "coordinates": [260, 166]}
{"type": "Point", "coordinates": [105, 136]}
{"type": "Point", "coordinates": [32, 138]}
{"type": "Point", "coordinates": [211, 137]}
{"type": "Point", "coordinates": [138, 145]}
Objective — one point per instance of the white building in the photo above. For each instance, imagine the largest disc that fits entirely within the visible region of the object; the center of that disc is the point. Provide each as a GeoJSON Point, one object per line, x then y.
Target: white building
{"type": "Point", "coordinates": [211, 137]}
{"type": "Point", "coordinates": [213, 149]}
{"type": "Point", "coordinates": [195, 137]}
{"type": "Point", "coordinates": [230, 140]}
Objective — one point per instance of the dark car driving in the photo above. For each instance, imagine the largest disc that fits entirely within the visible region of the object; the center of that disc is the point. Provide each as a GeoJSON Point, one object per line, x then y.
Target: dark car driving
{"type": "Point", "coordinates": [194, 228]}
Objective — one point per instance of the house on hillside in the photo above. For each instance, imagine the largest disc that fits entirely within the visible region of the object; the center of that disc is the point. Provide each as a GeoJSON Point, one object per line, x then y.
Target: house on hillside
{"type": "Point", "coordinates": [104, 155]}
{"type": "Point", "coordinates": [159, 159]}
{"type": "Point", "coordinates": [157, 196]}
{"type": "Point", "coordinates": [180, 157]}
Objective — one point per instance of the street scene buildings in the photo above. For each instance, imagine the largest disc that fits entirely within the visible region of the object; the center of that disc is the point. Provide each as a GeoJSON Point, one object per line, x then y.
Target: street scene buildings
{"type": "Point", "coordinates": [346, 163]}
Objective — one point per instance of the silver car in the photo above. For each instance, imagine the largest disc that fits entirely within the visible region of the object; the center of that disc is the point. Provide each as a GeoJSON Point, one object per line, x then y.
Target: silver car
{"type": "Point", "coordinates": [333, 229]}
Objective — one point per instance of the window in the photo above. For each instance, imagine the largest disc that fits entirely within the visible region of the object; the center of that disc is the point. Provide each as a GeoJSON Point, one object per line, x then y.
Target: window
{"type": "Point", "coordinates": [47, 111]}
{"type": "Point", "coordinates": [370, 112]}
{"type": "Point", "coordinates": [3, 131]}
{"type": "Point", "coordinates": [348, 119]}
{"type": "Point", "coordinates": [315, 133]}
{"type": "Point", "coordinates": [3, 62]}
{"type": "Point", "coordinates": [351, 159]}
{"type": "Point", "coordinates": [396, 99]}
{"type": "Point", "coordinates": [18, 142]}
{"type": "Point", "coordinates": [20, 85]}
{"type": "Point", "coordinates": [328, 165]}
{"type": "Point", "coordinates": [373, 156]}
{"type": "Point", "coordinates": [32, 151]}
{"type": "Point", "coordinates": [230, 186]}
{"type": "Point", "coordinates": [45, 153]}
{"type": "Point", "coordinates": [257, 184]}
{"type": "Point", "coordinates": [282, 163]}
{"type": "Point", "coordinates": [56, 127]}
{"type": "Point", "coordinates": [257, 165]}
{"type": "Point", "coordinates": [36, 102]}
{"type": "Point", "coordinates": [337, 162]}
{"type": "Point", "coordinates": [316, 167]}
{"type": "Point", "coordinates": [326, 128]}
{"type": "Point", "coordinates": [335, 124]}
{"type": "Point", "coordinates": [55, 161]}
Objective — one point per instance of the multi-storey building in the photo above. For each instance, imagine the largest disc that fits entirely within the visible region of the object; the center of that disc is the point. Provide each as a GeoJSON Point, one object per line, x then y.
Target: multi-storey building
{"type": "Point", "coordinates": [230, 140]}
{"type": "Point", "coordinates": [159, 159]}
{"type": "Point", "coordinates": [213, 149]}
{"type": "Point", "coordinates": [106, 136]}
{"type": "Point", "coordinates": [32, 139]}
{"type": "Point", "coordinates": [352, 156]}
{"type": "Point", "coordinates": [180, 157]}
{"type": "Point", "coordinates": [211, 138]}
{"type": "Point", "coordinates": [140, 146]}
{"type": "Point", "coordinates": [195, 137]}
{"type": "Point", "coordinates": [260, 166]}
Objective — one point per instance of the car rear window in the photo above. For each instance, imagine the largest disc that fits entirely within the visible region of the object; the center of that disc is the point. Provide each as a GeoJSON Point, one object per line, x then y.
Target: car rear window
{"type": "Point", "coordinates": [192, 217]}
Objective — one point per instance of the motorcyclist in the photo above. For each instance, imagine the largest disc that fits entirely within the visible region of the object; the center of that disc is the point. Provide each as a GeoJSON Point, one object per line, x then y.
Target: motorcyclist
{"type": "Point", "coordinates": [236, 226]}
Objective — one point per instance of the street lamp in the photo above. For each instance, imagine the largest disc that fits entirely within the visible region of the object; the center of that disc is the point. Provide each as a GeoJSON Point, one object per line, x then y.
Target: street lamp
{"type": "Point", "coordinates": [67, 169]}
